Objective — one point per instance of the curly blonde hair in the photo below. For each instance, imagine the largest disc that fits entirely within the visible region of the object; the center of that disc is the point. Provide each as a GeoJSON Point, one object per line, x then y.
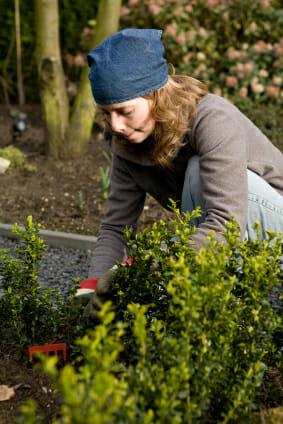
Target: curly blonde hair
{"type": "Point", "coordinates": [173, 109]}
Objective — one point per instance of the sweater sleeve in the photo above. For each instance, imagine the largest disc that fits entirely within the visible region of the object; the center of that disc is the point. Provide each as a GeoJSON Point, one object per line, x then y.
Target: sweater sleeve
{"type": "Point", "coordinates": [219, 139]}
{"type": "Point", "coordinates": [124, 206]}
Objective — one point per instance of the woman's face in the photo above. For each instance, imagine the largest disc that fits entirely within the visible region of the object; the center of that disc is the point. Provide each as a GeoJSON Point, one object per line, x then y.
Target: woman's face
{"type": "Point", "coordinates": [132, 119]}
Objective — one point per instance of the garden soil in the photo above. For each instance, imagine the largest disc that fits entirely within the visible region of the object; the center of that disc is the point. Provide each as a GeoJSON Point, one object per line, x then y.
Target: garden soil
{"type": "Point", "coordinates": [61, 195]}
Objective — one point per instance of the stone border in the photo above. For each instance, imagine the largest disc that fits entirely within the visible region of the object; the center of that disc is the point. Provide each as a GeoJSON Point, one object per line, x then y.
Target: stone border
{"type": "Point", "coordinates": [56, 238]}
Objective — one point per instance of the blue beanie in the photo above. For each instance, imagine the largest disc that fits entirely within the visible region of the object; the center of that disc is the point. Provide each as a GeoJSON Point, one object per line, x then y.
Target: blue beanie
{"type": "Point", "coordinates": [128, 64]}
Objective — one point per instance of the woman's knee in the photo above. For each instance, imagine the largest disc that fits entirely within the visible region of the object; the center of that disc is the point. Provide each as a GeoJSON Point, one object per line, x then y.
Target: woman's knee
{"type": "Point", "coordinates": [265, 205]}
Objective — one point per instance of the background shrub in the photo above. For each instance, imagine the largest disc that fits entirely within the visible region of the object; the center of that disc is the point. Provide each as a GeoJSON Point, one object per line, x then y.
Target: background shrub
{"type": "Point", "coordinates": [235, 47]}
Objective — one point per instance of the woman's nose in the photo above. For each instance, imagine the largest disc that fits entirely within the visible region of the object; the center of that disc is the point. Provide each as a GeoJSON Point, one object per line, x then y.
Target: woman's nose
{"type": "Point", "coordinates": [117, 123]}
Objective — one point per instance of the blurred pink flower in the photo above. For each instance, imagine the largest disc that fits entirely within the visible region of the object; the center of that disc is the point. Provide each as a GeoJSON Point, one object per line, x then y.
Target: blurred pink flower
{"type": "Point", "coordinates": [196, 73]}
{"type": "Point", "coordinates": [201, 56]}
{"type": "Point", "coordinates": [233, 54]}
{"type": "Point", "coordinates": [87, 32]}
{"type": "Point", "coordinates": [188, 8]}
{"type": "Point", "coordinates": [231, 81]}
{"type": "Point", "coordinates": [133, 2]}
{"type": "Point", "coordinates": [260, 46]}
{"type": "Point", "coordinates": [157, 2]}
{"type": "Point", "coordinates": [124, 11]}
{"type": "Point", "coordinates": [217, 91]}
{"type": "Point", "coordinates": [243, 92]}
{"type": "Point", "coordinates": [202, 32]}
{"type": "Point", "coordinates": [263, 73]}
{"type": "Point", "coordinates": [181, 39]}
{"type": "Point", "coordinates": [272, 91]}
{"type": "Point", "coordinates": [212, 3]}
{"type": "Point", "coordinates": [265, 3]}
{"type": "Point", "coordinates": [190, 35]}
{"type": "Point", "coordinates": [200, 70]}
{"type": "Point", "coordinates": [241, 75]}
{"type": "Point", "coordinates": [280, 41]}
{"type": "Point", "coordinates": [226, 16]}
{"type": "Point", "coordinates": [79, 60]}
{"type": "Point", "coordinates": [187, 58]}
{"type": "Point", "coordinates": [252, 27]}
{"type": "Point", "coordinates": [277, 80]}
{"type": "Point", "coordinates": [69, 59]}
{"type": "Point", "coordinates": [278, 51]}
{"type": "Point", "coordinates": [154, 9]}
{"type": "Point", "coordinates": [239, 66]}
{"type": "Point", "coordinates": [257, 88]}
{"type": "Point", "coordinates": [171, 30]}
{"type": "Point", "coordinates": [248, 67]}
{"type": "Point", "coordinates": [202, 67]}
{"type": "Point", "coordinates": [179, 11]}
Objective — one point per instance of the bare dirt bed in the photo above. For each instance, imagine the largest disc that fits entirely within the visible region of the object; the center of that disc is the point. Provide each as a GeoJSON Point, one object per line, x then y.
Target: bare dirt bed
{"type": "Point", "coordinates": [53, 194]}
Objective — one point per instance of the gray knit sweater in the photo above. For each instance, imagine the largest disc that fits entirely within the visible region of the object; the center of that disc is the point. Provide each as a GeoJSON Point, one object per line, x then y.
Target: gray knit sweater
{"type": "Point", "coordinates": [227, 143]}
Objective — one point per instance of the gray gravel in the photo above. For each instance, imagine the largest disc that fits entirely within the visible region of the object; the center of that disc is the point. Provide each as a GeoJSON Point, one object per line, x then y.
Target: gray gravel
{"type": "Point", "coordinates": [59, 265]}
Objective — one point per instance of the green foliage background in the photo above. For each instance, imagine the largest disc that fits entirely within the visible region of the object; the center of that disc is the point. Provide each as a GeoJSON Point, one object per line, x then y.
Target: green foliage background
{"type": "Point", "coordinates": [216, 44]}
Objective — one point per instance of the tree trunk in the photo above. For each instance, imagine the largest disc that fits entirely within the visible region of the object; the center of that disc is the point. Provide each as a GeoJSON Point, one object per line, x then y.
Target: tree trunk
{"type": "Point", "coordinates": [53, 92]}
{"type": "Point", "coordinates": [79, 130]}
{"type": "Point", "coordinates": [21, 92]}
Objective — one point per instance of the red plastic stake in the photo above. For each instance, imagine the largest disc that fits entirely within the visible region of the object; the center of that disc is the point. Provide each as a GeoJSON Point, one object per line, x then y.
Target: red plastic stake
{"type": "Point", "coordinates": [49, 348]}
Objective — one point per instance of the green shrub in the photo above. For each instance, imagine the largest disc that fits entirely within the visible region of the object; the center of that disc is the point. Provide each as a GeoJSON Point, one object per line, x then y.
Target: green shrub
{"type": "Point", "coordinates": [29, 313]}
{"type": "Point", "coordinates": [189, 335]}
{"type": "Point", "coordinates": [235, 47]}
{"type": "Point", "coordinates": [13, 154]}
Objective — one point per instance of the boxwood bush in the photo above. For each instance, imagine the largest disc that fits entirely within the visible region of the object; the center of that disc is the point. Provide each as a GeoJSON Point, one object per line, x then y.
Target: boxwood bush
{"type": "Point", "coordinates": [183, 337]}
{"type": "Point", "coordinates": [29, 313]}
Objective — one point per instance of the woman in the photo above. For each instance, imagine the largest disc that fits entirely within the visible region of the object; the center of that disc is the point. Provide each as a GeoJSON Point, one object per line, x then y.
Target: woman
{"type": "Point", "coordinates": [169, 137]}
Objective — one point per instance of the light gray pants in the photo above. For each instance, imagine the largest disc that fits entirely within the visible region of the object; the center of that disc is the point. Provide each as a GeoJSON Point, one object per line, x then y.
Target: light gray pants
{"type": "Point", "coordinates": [265, 204]}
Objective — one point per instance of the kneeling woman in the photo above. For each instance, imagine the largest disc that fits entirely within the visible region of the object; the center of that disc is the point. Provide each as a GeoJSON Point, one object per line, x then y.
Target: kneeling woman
{"type": "Point", "coordinates": [172, 139]}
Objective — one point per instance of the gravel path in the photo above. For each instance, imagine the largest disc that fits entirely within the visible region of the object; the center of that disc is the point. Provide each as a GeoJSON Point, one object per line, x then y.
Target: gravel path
{"type": "Point", "coordinates": [59, 265]}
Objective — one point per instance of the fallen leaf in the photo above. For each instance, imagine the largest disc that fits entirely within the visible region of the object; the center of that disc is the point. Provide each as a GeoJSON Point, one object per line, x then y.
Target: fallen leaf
{"type": "Point", "coordinates": [6, 392]}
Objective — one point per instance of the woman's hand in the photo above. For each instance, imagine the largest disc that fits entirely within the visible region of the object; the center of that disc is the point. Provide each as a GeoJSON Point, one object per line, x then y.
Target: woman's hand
{"type": "Point", "coordinates": [96, 301]}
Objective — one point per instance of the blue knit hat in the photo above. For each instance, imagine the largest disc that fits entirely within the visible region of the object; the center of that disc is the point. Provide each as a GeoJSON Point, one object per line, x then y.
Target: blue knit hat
{"type": "Point", "coordinates": [128, 64]}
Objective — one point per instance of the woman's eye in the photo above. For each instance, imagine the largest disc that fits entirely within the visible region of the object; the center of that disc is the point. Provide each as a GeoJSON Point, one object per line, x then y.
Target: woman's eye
{"type": "Point", "coordinates": [106, 114]}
